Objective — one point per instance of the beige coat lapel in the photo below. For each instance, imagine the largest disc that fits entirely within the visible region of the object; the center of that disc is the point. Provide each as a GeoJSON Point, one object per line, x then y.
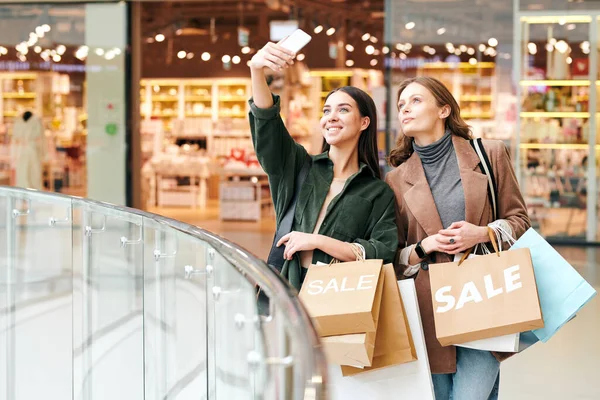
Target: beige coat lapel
{"type": "Point", "coordinates": [419, 198]}
{"type": "Point", "coordinates": [473, 181]}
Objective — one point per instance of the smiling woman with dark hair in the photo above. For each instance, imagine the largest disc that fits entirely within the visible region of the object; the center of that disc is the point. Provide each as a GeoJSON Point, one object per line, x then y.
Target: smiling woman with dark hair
{"type": "Point", "coordinates": [343, 209]}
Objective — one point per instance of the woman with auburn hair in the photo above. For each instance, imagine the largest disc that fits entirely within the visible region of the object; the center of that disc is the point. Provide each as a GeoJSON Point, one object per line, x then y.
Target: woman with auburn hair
{"type": "Point", "coordinates": [443, 210]}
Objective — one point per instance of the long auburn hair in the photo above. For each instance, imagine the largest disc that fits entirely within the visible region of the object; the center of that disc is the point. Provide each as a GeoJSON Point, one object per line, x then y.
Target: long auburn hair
{"type": "Point", "coordinates": [367, 143]}
{"type": "Point", "coordinates": [454, 122]}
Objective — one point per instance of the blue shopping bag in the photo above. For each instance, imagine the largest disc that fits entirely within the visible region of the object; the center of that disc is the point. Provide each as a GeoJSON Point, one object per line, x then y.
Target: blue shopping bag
{"type": "Point", "coordinates": [562, 291]}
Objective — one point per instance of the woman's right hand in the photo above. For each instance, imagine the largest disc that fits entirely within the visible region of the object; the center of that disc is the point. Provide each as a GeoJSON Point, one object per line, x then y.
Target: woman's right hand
{"type": "Point", "coordinates": [431, 244]}
{"type": "Point", "coordinates": [272, 56]}
{"type": "Point", "coordinates": [439, 243]}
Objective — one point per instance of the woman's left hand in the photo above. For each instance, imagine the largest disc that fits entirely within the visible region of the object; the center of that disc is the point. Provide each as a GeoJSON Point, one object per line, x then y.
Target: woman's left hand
{"type": "Point", "coordinates": [461, 236]}
{"type": "Point", "coordinates": [297, 241]}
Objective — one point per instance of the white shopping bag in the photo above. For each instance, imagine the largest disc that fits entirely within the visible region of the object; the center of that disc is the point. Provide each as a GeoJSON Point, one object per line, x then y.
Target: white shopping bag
{"type": "Point", "coordinates": [406, 381]}
{"type": "Point", "coordinates": [504, 343]}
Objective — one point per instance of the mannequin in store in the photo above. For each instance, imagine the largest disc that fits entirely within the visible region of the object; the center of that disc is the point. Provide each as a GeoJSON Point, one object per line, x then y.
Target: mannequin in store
{"type": "Point", "coordinates": [344, 210]}
{"type": "Point", "coordinates": [28, 149]}
{"type": "Point", "coordinates": [443, 211]}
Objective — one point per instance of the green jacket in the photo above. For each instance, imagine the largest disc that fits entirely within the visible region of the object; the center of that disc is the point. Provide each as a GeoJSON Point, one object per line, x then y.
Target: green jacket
{"type": "Point", "coordinates": [362, 213]}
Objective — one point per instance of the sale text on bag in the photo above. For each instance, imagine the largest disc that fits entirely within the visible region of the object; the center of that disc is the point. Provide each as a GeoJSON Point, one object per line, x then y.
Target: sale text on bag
{"type": "Point", "coordinates": [470, 292]}
{"type": "Point", "coordinates": [364, 282]}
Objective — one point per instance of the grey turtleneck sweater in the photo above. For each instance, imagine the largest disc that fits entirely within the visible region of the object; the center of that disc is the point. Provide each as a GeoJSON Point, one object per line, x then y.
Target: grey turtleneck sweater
{"type": "Point", "coordinates": [441, 169]}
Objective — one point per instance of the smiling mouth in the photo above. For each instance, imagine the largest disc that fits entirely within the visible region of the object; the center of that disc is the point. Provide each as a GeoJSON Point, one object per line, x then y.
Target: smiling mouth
{"type": "Point", "coordinates": [337, 129]}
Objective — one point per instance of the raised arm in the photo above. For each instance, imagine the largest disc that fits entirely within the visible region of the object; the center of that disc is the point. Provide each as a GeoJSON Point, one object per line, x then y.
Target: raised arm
{"type": "Point", "coordinates": [271, 56]}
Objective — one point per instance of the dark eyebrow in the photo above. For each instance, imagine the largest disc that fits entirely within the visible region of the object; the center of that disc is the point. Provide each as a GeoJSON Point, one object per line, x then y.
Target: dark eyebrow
{"type": "Point", "coordinates": [416, 94]}
{"type": "Point", "coordinates": [339, 105]}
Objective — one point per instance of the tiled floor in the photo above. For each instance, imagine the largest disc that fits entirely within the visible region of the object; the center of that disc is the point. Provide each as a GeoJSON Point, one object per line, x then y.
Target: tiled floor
{"type": "Point", "coordinates": [565, 368]}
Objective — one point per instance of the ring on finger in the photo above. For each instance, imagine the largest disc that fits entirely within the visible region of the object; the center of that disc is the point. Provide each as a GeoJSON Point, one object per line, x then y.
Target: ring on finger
{"type": "Point", "coordinates": [452, 241]}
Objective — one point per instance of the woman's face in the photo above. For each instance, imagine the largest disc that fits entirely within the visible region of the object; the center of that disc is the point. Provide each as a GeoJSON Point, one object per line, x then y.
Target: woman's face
{"type": "Point", "coordinates": [418, 111]}
{"type": "Point", "coordinates": [341, 121]}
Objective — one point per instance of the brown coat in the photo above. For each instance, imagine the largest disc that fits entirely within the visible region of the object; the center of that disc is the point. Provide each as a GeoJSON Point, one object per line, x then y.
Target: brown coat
{"type": "Point", "coordinates": [417, 218]}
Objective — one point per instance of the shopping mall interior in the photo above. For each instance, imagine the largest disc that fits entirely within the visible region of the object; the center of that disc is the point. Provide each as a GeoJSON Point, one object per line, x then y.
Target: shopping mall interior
{"type": "Point", "coordinates": [144, 104]}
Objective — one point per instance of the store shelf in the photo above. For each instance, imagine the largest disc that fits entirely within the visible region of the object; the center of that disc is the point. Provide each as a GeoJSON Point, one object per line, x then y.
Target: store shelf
{"type": "Point", "coordinates": [233, 98]}
{"type": "Point", "coordinates": [233, 115]}
{"type": "Point", "coordinates": [558, 114]}
{"type": "Point", "coordinates": [555, 83]}
{"type": "Point", "coordinates": [160, 82]}
{"type": "Point", "coordinates": [462, 65]}
{"type": "Point", "coordinates": [331, 73]}
{"type": "Point", "coordinates": [198, 98]}
{"type": "Point", "coordinates": [228, 135]}
{"type": "Point", "coordinates": [160, 115]}
{"type": "Point", "coordinates": [556, 146]}
{"type": "Point", "coordinates": [17, 76]}
{"type": "Point", "coordinates": [483, 97]}
{"type": "Point", "coordinates": [206, 114]}
{"type": "Point", "coordinates": [10, 113]}
{"type": "Point", "coordinates": [26, 95]}
{"type": "Point", "coordinates": [168, 98]}
{"type": "Point", "coordinates": [472, 115]}
{"type": "Point", "coordinates": [556, 19]}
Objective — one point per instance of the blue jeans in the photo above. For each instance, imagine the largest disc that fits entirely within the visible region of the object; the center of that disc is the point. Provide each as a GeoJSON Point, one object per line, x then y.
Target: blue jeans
{"type": "Point", "coordinates": [477, 377]}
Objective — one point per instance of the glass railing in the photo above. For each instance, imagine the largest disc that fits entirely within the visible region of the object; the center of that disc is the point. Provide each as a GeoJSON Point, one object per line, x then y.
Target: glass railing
{"type": "Point", "coordinates": [104, 302]}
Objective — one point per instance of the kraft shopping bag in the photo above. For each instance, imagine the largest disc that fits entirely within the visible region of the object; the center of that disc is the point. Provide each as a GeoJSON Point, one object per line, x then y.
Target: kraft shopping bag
{"type": "Point", "coordinates": [344, 298]}
{"type": "Point", "coordinates": [394, 343]}
{"type": "Point", "coordinates": [505, 343]}
{"type": "Point", "coordinates": [484, 297]}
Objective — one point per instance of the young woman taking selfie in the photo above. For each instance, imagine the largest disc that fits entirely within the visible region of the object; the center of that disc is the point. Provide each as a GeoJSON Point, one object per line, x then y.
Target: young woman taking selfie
{"type": "Point", "coordinates": [343, 209]}
{"type": "Point", "coordinates": [442, 210]}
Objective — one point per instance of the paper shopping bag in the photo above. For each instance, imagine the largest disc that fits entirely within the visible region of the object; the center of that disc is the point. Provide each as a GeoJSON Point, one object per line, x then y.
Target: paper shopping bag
{"type": "Point", "coordinates": [407, 381]}
{"type": "Point", "coordinates": [356, 349]}
{"type": "Point", "coordinates": [343, 298]}
{"type": "Point", "coordinates": [562, 291]}
{"type": "Point", "coordinates": [394, 343]}
{"type": "Point", "coordinates": [505, 343]}
{"type": "Point", "coordinates": [484, 297]}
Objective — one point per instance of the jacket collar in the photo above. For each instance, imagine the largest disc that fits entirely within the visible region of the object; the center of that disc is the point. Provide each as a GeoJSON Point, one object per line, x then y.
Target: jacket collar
{"type": "Point", "coordinates": [362, 168]}
{"type": "Point", "coordinates": [420, 200]}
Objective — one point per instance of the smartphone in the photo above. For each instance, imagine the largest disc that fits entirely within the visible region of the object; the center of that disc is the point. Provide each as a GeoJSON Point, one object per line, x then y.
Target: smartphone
{"type": "Point", "coordinates": [296, 41]}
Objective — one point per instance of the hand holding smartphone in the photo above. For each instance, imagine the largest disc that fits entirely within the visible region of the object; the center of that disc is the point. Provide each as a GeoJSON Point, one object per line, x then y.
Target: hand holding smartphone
{"type": "Point", "coordinates": [273, 59]}
{"type": "Point", "coordinates": [296, 41]}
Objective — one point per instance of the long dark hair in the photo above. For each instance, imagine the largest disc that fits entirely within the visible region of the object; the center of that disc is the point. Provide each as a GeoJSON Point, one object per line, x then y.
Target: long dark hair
{"type": "Point", "coordinates": [454, 122]}
{"type": "Point", "coordinates": [367, 143]}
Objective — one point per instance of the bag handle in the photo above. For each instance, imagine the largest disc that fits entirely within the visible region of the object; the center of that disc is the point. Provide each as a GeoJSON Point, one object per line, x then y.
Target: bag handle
{"type": "Point", "coordinates": [494, 244]}
{"type": "Point", "coordinates": [357, 253]}
{"type": "Point", "coordinates": [486, 167]}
